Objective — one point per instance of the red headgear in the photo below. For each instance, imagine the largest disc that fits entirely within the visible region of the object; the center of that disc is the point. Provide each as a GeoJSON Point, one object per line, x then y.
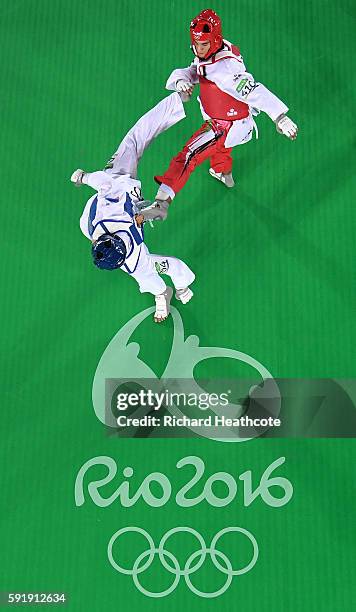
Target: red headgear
{"type": "Point", "coordinates": [207, 26]}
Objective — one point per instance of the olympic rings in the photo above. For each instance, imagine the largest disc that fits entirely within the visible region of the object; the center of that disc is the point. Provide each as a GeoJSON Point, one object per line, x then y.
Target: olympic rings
{"type": "Point", "coordinates": [202, 552]}
{"type": "Point", "coordinates": [249, 535]}
{"type": "Point", "coordinates": [116, 535]}
{"type": "Point", "coordinates": [150, 593]}
{"type": "Point", "coordinates": [213, 593]}
{"type": "Point", "coordinates": [140, 565]}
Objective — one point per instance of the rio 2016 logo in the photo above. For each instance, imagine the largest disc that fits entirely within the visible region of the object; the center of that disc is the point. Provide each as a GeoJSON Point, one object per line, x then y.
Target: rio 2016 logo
{"type": "Point", "coordinates": [121, 360]}
{"type": "Point", "coordinates": [126, 498]}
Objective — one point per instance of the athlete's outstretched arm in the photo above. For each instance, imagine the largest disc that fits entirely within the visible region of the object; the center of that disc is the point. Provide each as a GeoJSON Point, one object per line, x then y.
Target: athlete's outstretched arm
{"type": "Point", "coordinates": [182, 74]}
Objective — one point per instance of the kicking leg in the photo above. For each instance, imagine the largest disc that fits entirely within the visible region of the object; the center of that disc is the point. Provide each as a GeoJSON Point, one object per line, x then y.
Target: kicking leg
{"type": "Point", "coordinates": [165, 114]}
{"type": "Point", "coordinates": [198, 148]}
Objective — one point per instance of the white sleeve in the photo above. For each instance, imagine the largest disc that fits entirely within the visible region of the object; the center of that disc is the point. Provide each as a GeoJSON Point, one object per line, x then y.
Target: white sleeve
{"type": "Point", "coordinates": [241, 85]}
{"type": "Point", "coordinates": [187, 74]}
{"type": "Point", "coordinates": [100, 181]}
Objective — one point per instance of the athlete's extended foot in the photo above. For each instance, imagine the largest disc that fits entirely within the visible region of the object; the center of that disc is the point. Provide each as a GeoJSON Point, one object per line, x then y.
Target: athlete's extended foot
{"type": "Point", "coordinates": [163, 305]}
{"type": "Point", "coordinates": [227, 179]}
{"type": "Point", "coordinates": [184, 295]}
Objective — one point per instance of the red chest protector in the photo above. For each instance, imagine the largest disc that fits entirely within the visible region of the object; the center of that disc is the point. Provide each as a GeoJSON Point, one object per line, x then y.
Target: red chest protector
{"type": "Point", "coordinates": [216, 103]}
{"type": "Point", "coordinates": [220, 105]}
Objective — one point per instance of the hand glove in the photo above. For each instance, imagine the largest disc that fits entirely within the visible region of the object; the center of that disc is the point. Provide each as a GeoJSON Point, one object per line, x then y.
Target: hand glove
{"type": "Point", "coordinates": [286, 126]}
{"type": "Point", "coordinates": [139, 206]}
{"type": "Point", "coordinates": [139, 211]}
{"type": "Point", "coordinates": [158, 211]}
{"type": "Point", "coordinates": [184, 86]}
{"type": "Point", "coordinates": [77, 177]}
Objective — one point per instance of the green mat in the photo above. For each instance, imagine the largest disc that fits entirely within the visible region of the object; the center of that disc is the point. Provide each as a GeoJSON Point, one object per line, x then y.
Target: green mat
{"type": "Point", "coordinates": [275, 278]}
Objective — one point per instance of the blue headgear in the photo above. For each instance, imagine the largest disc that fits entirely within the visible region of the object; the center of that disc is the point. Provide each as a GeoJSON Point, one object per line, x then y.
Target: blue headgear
{"type": "Point", "coordinates": [109, 252]}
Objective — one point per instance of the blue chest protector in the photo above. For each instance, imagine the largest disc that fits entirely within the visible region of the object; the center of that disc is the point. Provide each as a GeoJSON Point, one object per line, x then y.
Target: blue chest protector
{"type": "Point", "coordinates": [137, 234]}
{"type": "Point", "coordinates": [134, 233]}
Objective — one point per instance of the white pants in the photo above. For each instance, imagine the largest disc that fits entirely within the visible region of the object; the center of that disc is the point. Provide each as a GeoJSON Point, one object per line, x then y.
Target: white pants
{"type": "Point", "coordinates": [157, 120]}
{"type": "Point", "coordinates": [151, 267]}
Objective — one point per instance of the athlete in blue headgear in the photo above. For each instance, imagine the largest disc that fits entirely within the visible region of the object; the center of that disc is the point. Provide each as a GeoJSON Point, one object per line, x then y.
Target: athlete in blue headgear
{"type": "Point", "coordinates": [112, 219]}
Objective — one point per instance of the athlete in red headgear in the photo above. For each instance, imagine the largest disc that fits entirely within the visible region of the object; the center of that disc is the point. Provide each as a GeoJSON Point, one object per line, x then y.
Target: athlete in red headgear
{"type": "Point", "coordinates": [229, 98]}
{"type": "Point", "coordinates": [205, 30]}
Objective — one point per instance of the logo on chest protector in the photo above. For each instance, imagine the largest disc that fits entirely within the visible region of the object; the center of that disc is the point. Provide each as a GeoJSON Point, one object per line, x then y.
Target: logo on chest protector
{"type": "Point", "coordinates": [162, 266]}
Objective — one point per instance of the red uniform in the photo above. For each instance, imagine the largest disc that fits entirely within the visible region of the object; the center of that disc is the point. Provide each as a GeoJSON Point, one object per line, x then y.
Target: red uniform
{"type": "Point", "coordinates": [207, 142]}
{"type": "Point", "coordinates": [229, 96]}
